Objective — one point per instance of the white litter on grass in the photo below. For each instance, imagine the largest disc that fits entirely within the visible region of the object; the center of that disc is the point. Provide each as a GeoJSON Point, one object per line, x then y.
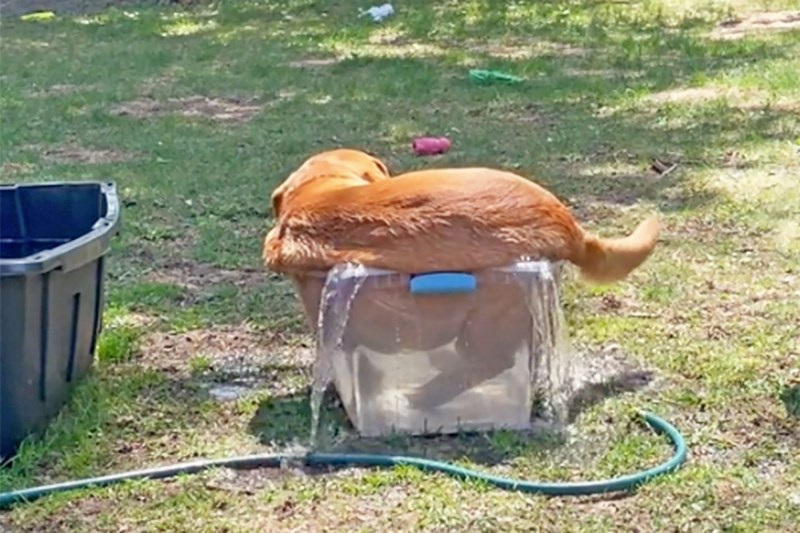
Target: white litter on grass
{"type": "Point", "coordinates": [378, 13]}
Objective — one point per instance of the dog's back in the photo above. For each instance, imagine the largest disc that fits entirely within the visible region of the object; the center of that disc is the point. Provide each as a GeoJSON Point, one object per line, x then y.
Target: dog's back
{"type": "Point", "coordinates": [444, 219]}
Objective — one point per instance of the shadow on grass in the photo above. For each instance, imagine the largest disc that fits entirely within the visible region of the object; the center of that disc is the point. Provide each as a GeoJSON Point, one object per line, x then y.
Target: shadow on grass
{"type": "Point", "coordinates": [592, 394]}
{"type": "Point", "coordinates": [285, 420]}
{"type": "Point", "coordinates": [567, 143]}
{"type": "Point", "coordinates": [584, 64]}
{"type": "Point", "coordinates": [281, 419]}
{"type": "Point", "coordinates": [584, 61]}
{"type": "Point", "coordinates": [328, 78]}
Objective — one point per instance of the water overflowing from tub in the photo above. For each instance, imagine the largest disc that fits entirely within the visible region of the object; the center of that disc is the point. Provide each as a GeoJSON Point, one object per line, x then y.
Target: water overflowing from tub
{"type": "Point", "coordinates": [340, 289]}
{"type": "Point", "coordinates": [552, 366]}
{"type": "Point", "coordinates": [469, 360]}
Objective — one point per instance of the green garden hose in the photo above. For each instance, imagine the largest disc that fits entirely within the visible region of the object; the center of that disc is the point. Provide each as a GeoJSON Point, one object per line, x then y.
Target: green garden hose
{"type": "Point", "coordinates": [623, 483]}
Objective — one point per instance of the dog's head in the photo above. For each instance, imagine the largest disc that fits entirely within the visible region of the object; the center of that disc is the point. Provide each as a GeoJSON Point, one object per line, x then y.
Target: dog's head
{"type": "Point", "coordinates": [327, 170]}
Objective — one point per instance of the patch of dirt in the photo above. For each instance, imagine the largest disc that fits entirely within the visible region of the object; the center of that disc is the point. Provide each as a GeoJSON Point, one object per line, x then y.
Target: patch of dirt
{"type": "Point", "coordinates": [522, 50]}
{"type": "Point", "coordinates": [246, 482]}
{"type": "Point", "coordinates": [751, 100]}
{"type": "Point", "coordinates": [527, 114]}
{"type": "Point", "coordinates": [388, 36]}
{"type": "Point", "coordinates": [626, 304]}
{"type": "Point", "coordinates": [745, 99]}
{"type": "Point", "coordinates": [594, 211]}
{"type": "Point", "coordinates": [194, 276]}
{"type": "Point", "coordinates": [685, 95]}
{"type": "Point", "coordinates": [132, 320]}
{"type": "Point", "coordinates": [312, 62]}
{"type": "Point", "coordinates": [390, 43]}
{"type": "Point", "coordinates": [12, 169]}
{"type": "Point", "coordinates": [742, 306]}
{"type": "Point", "coordinates": [760, 182]}
{"type": "Point", "coordinates": [387, 510]}
{"type": "Point", "coordinates": [395, 50]}
{"type": "Point", "coordinates": [78, 7]}
{"type": "Point", "coordinates": [60, 89]}
{"type": "Point", "coordinates": [218, 109]}
{"type": "Point", "coordinates": [757, 23]}
{"type": "Point", "coordinates": [165, 79]}
{"type": "Point", "coordinates": [75, 153]}
{"type": "Point", "coordinates": [787, 235]}
{"type": "Point", "coordinates": [153, 255]}
{"type": "Point", "coordinates": [63, 7]}
{"type": "Point", "coordinates": [599, 375]}
{"type": "Point", "coordinates": [227, 354]}
{"type": "Point", "coordinates": [604, 73]}
{"type": "Point", "coordinates": [531, 114]}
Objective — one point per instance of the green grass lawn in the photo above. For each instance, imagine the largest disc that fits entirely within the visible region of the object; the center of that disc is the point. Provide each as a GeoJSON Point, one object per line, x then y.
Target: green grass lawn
{"type": "Point", "coordinates": [197, 115]}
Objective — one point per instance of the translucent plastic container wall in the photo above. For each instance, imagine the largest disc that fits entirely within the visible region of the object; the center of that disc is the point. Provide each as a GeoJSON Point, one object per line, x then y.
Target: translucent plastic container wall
{"type": "Point", "coordinates": [466, 358]}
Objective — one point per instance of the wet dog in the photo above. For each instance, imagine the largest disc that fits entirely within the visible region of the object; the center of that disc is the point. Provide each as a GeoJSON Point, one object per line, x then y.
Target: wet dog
{"type": "Point", "coordinates": [344, 206]}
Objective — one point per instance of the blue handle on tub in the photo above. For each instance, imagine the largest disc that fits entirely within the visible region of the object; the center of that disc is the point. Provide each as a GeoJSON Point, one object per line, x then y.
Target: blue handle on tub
{"type": "Point", "coordinates": [443, 283]}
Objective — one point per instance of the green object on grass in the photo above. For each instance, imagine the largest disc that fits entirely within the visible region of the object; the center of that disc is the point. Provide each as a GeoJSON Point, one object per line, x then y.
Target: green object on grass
{"type": "Point", "coordinates": [791, 400]}
{"type": "Point", "coordinates": [38, 16]}
{"type": "Point", "coordinates": [486, 77]}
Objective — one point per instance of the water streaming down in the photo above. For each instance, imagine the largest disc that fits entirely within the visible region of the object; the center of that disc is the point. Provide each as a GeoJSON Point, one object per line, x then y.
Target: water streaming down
{"type": "Point", "coordinates": [552, 365]}
{"type": "Point", "coordinates": [442, 363]}
{"type": "Point", "coordinates": [341, 287]}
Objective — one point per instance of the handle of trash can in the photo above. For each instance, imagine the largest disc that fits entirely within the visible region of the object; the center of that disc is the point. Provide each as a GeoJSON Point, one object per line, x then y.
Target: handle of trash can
{"type": "Point", "coordinates": [443, 283]}
{"type": "Point", "coordinates": [79, 251]}
{"type": "Point", "coordinates": [111, 217]}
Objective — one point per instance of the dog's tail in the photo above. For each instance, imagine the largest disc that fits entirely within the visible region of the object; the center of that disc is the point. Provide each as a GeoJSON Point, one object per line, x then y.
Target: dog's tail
{"type": "Point", "coordinates": [610, 260]}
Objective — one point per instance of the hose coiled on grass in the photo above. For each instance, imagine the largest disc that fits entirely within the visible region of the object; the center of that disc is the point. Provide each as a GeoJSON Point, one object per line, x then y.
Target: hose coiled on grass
{"type": "Point", "coordinates": [623, 483]}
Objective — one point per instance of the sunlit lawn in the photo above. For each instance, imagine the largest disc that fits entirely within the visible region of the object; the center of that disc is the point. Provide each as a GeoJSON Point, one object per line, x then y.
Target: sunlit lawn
{"type": "Point", "coordinates": [197, 115]}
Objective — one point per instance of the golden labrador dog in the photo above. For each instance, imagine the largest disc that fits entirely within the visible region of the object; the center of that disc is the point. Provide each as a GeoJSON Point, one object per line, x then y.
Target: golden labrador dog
{"type": "Point", "coordinates": [343, 206]}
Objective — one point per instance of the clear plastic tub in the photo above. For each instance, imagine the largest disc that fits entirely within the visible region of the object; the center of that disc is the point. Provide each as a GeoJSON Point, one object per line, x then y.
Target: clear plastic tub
{"type": "Point", "coordinates": [440, 353]}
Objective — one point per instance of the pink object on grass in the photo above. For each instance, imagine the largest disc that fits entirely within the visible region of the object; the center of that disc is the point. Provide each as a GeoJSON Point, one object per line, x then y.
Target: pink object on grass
{"type": "Point", "coordinates": [431, 145]}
